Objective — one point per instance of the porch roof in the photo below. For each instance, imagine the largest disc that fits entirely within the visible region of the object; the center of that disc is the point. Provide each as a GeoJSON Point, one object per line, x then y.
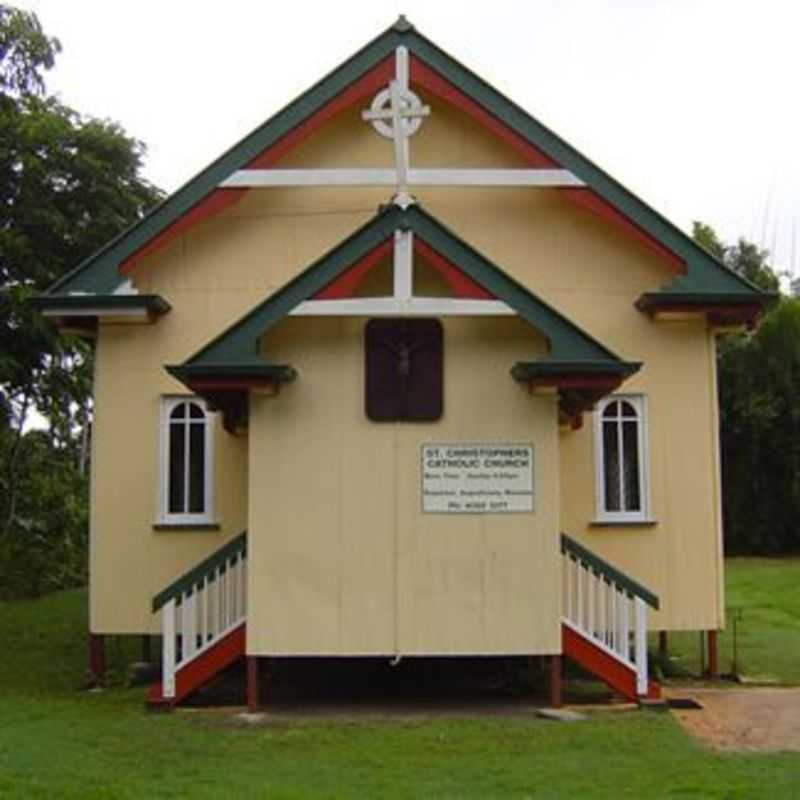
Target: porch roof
{"type": "Point", "coordinates": [577, 363]}
{"type": "Point", "coordinates": [234, 353]}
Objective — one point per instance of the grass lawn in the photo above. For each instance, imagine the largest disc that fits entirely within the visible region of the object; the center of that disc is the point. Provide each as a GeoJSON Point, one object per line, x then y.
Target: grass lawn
{"type": "Point", "coordinates": [56, 741]}
{"type": "Point", "coordinates": [765, 594]}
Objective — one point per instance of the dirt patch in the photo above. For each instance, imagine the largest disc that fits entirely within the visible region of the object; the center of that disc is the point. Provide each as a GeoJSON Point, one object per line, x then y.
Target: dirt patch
{"type": "Point", "coordinates": [754, 719]}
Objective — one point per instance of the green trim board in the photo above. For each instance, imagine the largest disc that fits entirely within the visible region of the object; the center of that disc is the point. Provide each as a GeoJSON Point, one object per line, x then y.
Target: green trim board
{"type": "Point", "coordinates": [205, 569]}
{"type": "Point", "coordinates": [664, 299]}
{"type": "Point", "coordinates": [704, 273]}
{"type": "Point", "coordinates": [530, 370]}
{"type": "Point", "coordinates": [607, 571]}
{"type": "Point", "coordinates": [164, 527]}
{"type": "Point", "coordinates": [99, 272]}
{"type": "Point", "coordinates": [152, 303]}
{"type": "Point", "coordinates": [571, 349]}
{"type": "Point", "coordinates": [254, 370]}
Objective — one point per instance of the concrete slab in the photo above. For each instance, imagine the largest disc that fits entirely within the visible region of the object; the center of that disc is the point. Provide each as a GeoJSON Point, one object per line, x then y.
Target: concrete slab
{"type": "Point", "coordinates": [654, 705]}
{"type": "Point", "coordinates": [560, 715]}
{"type": "Point", "coordinates": [249, 718]}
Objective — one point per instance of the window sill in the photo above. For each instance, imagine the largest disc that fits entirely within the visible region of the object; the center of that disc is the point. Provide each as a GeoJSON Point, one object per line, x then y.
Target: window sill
{"type": "Point", "coordinates": [186, 526]}
{"type": "Point", "coordinates": [623, 523]}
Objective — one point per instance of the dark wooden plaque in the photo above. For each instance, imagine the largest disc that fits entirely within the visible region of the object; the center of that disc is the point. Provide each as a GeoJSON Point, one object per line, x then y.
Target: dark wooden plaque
{"type": "Point", "coordinates": [404, 366]}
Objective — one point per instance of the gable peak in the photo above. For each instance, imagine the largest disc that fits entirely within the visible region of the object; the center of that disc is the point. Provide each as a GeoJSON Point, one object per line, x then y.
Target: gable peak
{"type": "Point", "coordinates": [402, 25]}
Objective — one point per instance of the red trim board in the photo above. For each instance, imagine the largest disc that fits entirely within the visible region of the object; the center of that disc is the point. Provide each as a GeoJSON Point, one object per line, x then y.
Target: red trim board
{"type": "Point", "coordinates": [589, 201]}
{"type": "Point", "coordinates": [348, 282]}
{"type": "Point", "coordinates": [373, 81]}
{"type": "Point", "coordinates": [202, 668]}
{"type": "Point", "coordinates": [212, 204]}
{"type": "Point", "coordinates": [620, 678]}
{"type": "Point", "coordinates": [460, 284]}
{"type": "Point", "coordinates": [366, 86]}
{"type": "Point", "coordinates": [427, 78]}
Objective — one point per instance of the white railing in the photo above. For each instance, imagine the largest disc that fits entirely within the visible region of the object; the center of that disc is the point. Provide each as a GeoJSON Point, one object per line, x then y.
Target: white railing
{"type": "Point", "coordinates": [200, 608]}
{"type": "Point", "coordinates": [606, 607]}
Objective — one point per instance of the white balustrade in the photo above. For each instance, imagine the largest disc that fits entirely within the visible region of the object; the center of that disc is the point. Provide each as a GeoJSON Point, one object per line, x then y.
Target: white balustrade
{"type": "Point", "coordinates": [198, 616]}
{"type": "Point", "coordinates": [606, 612]}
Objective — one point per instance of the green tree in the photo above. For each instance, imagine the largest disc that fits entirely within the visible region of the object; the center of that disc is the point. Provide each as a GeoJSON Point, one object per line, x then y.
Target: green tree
{"type": "Point", "coordinates": [759, 397]}
{"type": "Point", "coordinates": [25, 51]}
{"type": "Point", "coordinates": [744, 258]}
{"type": "Point", "coordinates": [759, 378]}
{"type": "Point", "coordinates": [68, 184]}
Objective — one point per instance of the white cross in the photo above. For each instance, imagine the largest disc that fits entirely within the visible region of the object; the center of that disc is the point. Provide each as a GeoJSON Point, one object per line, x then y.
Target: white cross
{"type": "Point", "coordinates": [397, 113]}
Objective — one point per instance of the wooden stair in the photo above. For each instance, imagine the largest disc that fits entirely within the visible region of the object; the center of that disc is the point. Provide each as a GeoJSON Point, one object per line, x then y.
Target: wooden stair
{"type": "Point", "coordinates": [604, 623]}
{"type": "Point", "coordinates": [202, 668]}
{"type": "Point", "coordinates": [203, 623]}
{"type": "Point", "coordinates": [604, 665]}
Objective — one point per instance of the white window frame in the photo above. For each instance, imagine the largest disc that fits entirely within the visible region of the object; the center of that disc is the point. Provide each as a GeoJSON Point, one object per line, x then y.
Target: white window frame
{"type": "Point", "coordinates": [164, 516]}
{"type": "Point", "coordinates": [639, 402]}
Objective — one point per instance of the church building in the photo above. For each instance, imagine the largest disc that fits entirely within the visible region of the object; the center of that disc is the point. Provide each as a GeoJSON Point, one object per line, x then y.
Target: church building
{"type": "Point", "coordinates": [402, 374]}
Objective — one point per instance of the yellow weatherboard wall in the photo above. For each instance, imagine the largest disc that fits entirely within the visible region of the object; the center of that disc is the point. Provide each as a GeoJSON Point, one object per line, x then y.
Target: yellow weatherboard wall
{"type": "Point", "coordinates": [342, 558]}
{"type": "Point", "coordinates": [422, 583]}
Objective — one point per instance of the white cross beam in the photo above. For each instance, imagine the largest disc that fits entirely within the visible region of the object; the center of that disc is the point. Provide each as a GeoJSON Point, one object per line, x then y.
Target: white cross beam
{"type": "Point", "coordinates": [402, 302]}
{"type": "Point", "coordinates": [397, 113]}
{"type": "Point", "coordinates": [265, 178]}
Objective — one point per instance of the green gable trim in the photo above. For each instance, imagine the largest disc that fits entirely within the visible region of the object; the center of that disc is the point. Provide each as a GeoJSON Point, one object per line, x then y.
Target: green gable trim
{"type": "Point", "coordinates": [530, 370]}
{"type": "Point", "coordinates": [258, 370]}
{"type": "Point", "coordinates": [664, 299]}
{"type": "Point", "coordinates": [567, 340]}
{"type": "Point", "coordinates": [99, 273]}
{"type": "Point", "coordinates": [238, 344]}
{"type": "Point", "coordinates": [205, 569]}
{"type": "Point", "coordinates": [236, 347]}
{"type": "Point", "coordinates": [607, 571]}
{"type": "Point", "coordinates": [153, 303]}
{"type": "Point", "coordinates": [704, 273]}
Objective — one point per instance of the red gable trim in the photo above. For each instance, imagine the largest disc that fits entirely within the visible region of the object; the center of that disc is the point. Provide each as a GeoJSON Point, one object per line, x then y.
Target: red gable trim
{"type": "Point", "coordinates": [429, 79]}
{"type": "Point", "coordinates": [588, 200]}
{"type": "Point", "coordinates": [366, 86]}
{"type": "Point", "coordinates": [347, 283]}
{"type": "Point", "coordinates": [425, 77]}
{"type": "Point", "coordinates": [460, 284]}
{"type": "Point", "coordinates": [209, 206]}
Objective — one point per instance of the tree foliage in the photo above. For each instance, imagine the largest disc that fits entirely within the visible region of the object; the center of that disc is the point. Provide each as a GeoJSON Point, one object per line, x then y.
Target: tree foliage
{"type": "Point", "coordinates": [744, 258]}
{"type": "Point", "coordinates": [759, 396]}
{"type": "Point", "coordinates": [68, 184]}
{"type": "Point", "coordinates": [48, 544]}
{"type": "Point", "coordinates": [759, 379]}
{"type": "Point", "coordinates": [24, 51]}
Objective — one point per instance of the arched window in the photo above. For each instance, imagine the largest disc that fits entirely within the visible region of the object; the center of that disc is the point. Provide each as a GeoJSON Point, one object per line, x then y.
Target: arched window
{"type": "Point", "coordinates": [186, 466]}
{"type": "Point", "coordinates": [621, 459]}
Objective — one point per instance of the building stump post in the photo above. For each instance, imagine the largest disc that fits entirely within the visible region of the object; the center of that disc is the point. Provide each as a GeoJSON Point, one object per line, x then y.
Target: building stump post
{"type": "Point", "coordinates": [97, 659]}
{"type": "Point", "coordinates": [147, 649]}
{"type": "Point", "coordinates": [556, 700]}
{"type": "Point", "coordinates": [713, 664]}
{"type": "Point", "coordinates": [252, 683]}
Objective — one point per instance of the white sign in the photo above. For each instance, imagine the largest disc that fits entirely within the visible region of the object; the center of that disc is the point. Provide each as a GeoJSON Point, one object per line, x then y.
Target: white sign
{"type": "Point", "coordinates": [477, 478]}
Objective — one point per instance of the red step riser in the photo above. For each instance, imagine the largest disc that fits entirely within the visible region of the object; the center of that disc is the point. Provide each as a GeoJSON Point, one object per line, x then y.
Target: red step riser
{"type": "Point", "coordinates": [203, 668]}
{"type": "Point", "coordinates": [606, 667]}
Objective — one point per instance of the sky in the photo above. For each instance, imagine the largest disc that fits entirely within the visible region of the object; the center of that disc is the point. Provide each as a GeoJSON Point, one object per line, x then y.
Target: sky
{"type": "Point", "coordinates": [691, 104]}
